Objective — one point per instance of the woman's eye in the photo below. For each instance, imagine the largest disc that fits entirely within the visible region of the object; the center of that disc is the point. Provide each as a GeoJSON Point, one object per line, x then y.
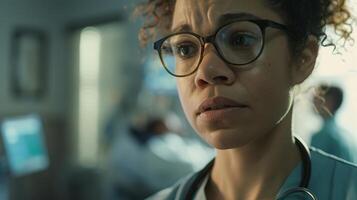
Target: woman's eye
{"type": "Point", "coordinates": [243, 40]}
{"type": "Point", "coordinates": [185, 50]}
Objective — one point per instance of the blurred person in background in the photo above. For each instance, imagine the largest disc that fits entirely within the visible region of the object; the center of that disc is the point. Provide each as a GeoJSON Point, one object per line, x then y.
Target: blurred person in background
{"type": "Point", "coordinates": [331, 138]}
{"type": "Point", "coordinates": [149, 156]}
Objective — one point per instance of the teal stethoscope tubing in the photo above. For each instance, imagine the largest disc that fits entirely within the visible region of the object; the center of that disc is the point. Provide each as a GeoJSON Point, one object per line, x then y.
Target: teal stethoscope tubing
{"type": "Point", "coordinates": [291, 191]}
{"type": "Point", "coordinates": [303, 186]}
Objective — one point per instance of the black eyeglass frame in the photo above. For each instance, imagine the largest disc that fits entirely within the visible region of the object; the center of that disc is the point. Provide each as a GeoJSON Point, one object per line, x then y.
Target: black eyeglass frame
{"type": "Point", "coordinates": [262, 24]}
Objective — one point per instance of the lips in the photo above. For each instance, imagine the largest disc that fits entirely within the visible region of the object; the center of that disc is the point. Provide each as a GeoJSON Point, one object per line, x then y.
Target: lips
{"type": "Point", "coordinates": [218, 103]}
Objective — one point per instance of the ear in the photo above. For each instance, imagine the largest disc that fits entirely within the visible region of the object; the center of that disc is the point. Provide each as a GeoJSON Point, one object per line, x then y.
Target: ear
{"type": "Point", "coordinates": [304, 63]}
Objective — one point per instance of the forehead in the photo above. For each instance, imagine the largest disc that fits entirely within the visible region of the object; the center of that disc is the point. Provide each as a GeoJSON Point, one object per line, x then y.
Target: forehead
{"type": "Point", "coordinates": [205, 15]}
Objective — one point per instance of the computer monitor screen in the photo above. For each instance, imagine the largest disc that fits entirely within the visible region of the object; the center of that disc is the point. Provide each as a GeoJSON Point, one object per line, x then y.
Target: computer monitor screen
{"type": "Point", "coordinates": [24, 144]}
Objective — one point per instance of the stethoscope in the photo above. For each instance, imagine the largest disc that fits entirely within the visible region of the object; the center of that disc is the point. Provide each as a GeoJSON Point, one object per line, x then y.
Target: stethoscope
{"type": "Point", "coordinates": [302, 188]}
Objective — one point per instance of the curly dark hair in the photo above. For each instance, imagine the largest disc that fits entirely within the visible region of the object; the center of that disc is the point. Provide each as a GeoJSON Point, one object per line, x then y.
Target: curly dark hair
{"type": "Point", "coordinates": [304, 18]}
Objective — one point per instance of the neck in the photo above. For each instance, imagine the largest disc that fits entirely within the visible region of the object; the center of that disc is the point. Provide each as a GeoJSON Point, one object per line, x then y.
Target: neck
{"type": "Point", "coordinates": [257, 170]}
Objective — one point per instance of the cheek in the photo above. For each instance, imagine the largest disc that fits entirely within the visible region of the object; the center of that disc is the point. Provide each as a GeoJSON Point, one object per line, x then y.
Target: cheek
{"type": "Point", "coordinates": [271, 92]}
{"type": "Point", "coordinates": [273, 83]}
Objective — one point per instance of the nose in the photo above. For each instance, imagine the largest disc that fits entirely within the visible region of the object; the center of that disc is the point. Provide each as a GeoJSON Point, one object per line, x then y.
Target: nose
{"type": "Point", "coordinates": [213, 70]}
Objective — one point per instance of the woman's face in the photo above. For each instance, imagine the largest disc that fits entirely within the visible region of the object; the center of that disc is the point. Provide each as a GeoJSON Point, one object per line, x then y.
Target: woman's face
{"type": "Point", "coordinates": [231, 107]}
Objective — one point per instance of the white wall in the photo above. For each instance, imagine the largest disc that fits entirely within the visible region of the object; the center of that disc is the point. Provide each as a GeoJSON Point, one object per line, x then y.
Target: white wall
{"type": "Point", "coordinates": [53, 17]}
{"type": "Point", "coordinates": [42, 15]}
{"type": "Point", "coordinates": [119, 60]}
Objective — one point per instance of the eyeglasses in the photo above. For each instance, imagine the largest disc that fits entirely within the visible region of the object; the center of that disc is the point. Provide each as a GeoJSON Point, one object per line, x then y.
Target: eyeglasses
{"type": "Point", "coordinates": [238, 43]}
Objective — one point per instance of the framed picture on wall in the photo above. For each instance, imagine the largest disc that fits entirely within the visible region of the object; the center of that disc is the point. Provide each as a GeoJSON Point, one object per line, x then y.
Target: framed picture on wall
{"type": "Point", "coordinates": [28, 63]}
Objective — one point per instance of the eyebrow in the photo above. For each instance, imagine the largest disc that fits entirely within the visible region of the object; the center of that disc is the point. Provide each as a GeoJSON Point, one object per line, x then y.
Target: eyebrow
{"type": "Point", "coordinates": [223, 19]}
{"type": "Point", "coordinates": [229, 17]}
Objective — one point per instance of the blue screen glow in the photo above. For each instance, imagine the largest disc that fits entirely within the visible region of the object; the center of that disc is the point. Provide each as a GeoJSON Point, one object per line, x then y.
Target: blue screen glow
{"type": "Point", "coordinates": [23, 140]}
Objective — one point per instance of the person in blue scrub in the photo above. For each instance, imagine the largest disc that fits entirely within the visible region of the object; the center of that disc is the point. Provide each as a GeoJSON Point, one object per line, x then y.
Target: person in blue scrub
{"type": "Point", "coordinates": [237, 64]}
{"type": "Point", "coordinates": [331, 138]}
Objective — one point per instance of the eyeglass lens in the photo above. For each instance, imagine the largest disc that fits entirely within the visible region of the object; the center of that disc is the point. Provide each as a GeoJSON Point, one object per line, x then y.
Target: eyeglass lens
{"type": "Point", "coordinates": [238, 43]}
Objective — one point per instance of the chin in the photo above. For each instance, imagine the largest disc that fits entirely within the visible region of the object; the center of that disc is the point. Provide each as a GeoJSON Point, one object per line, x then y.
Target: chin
{"type": "Point", "coordinates": [227, 139]}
